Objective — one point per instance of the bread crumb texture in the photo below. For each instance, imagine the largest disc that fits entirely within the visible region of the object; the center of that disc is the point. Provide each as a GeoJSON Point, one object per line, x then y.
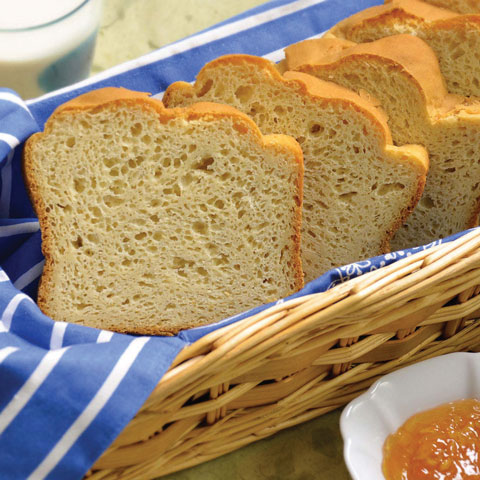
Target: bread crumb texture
{"type": "Point", "coordinates": [358, 187]}
{"type": "Point", "coordinates": [154, 226]}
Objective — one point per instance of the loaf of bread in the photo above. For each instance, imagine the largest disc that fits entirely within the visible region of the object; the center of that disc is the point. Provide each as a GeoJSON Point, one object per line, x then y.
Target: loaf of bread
{"type": "Point", "coordinates": [454, 38]}
{"type": "Point", "coordinates": [460, 6]}
{"type": "Point", "coordinates": [155, 220]}
{"type": "Point", "coordinates": [402, 74]}
{"type": "Point", "coordinates": [359, 188]}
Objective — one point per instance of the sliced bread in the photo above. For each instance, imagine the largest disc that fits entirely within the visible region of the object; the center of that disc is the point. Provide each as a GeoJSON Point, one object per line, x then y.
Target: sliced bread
{"type": "Point", "coordinates": [359, 188]}
{"type": "Point", "coordinates": [454, 38]}
{"type": "Point", "coordinates": [460, 6]}
{"type": "Point", "coordinates": [157, 220]}
{"type": "Point", "coordinates": [402, 74]}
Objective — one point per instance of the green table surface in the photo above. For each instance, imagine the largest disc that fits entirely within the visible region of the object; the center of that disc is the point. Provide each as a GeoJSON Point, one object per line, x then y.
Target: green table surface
{"type": "Point", "coordinates": [313, 450]}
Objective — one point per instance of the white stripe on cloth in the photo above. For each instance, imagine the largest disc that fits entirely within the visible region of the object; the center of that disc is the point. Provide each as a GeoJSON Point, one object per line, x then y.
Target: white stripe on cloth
{"type": "Point", "coordinates": [58, 331]}
{"type": "Point", "coordinates": [5, 352]}
{"type": "Point", "coordinates": [18, 228]}
{"type": "Point", "coordinates": [6, 181]}
{"type": "Point", "coordinates": [3, 276]}
{"type": "Point", "coordinates": [29, 388]}
{"type": "Point", "coordinates": [193, 42]}
{"type": "Point", "coordinates": [29, 276]}
{"type": "Point", "coordinates": [95, 405]}
{"type": "Point", "coordinates": [9, 139]}
{"type": "Point", "coordinates": [11, 97]}
{"type": "Point", "coordinates": [104, 336]}
{"type": "Point", "coordinates": [6, 318]}
{"type": "Point", "coordinates": [275, 56]}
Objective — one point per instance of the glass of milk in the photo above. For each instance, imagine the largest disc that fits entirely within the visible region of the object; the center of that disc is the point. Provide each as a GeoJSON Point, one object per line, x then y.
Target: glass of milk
{"type": "Point", "coordinates": [46, 44]}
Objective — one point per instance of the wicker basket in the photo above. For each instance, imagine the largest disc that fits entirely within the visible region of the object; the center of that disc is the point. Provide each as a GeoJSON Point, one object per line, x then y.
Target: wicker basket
{"type": "Point", "coordinates": [301, 359]}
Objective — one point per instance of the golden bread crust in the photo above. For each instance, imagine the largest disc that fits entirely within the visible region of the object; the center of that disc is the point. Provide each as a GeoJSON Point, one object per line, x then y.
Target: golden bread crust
{"type": "Point", "coordinates": [400, 10]}
{"type": "Point", "coordinates": [400, 52]}
{"type": "Point", "coordinates": [454, 38]}
{"type": "Point", "coordinates": [458, 6]}
{"type": "Point", "coordinates": [305, 84]}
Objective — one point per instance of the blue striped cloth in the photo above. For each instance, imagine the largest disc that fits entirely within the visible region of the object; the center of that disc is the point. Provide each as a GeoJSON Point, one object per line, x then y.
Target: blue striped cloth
{"type": "Point", "coordinates": [67, 391]}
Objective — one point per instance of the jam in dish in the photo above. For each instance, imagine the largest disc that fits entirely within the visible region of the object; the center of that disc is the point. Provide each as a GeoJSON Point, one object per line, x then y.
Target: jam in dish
{"type": "Point", "coordinates": [439, 444]}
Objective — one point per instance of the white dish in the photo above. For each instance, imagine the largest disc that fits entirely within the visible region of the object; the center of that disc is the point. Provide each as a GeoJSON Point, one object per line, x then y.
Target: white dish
{"type": "Point", "coordinates": [369, 419]}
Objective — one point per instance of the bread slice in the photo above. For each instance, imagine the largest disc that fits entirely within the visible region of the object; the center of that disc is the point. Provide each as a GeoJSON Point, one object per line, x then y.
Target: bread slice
{"type": "Point", "coordinates": [460, 6]}
{"type": "Point", "coordinates": [402, 74]}
{"type": "Point", "coordinates": [157, 220]}
{"type": "Point", "coordinates": [454, 38]}
{"type": "Point", "coordinates": [359, 188]}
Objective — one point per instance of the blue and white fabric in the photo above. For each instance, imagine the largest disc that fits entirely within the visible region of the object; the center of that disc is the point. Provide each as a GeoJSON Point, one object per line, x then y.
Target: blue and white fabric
{"type": "Point", "coordinates": [67, 391]}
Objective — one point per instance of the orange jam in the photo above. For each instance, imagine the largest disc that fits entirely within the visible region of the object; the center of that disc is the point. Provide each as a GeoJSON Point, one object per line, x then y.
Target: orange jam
{"type": "Point", "coordinates": [438, 444]}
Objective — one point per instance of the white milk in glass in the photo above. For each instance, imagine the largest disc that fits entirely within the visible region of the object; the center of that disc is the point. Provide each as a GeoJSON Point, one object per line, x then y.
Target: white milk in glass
{"type": "Point", "coordinates": [46, 44]}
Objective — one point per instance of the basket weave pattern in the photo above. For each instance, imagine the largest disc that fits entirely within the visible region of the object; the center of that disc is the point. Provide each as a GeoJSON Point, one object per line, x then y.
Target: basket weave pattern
{"type": "Point", "coordinates": [301, 359]}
